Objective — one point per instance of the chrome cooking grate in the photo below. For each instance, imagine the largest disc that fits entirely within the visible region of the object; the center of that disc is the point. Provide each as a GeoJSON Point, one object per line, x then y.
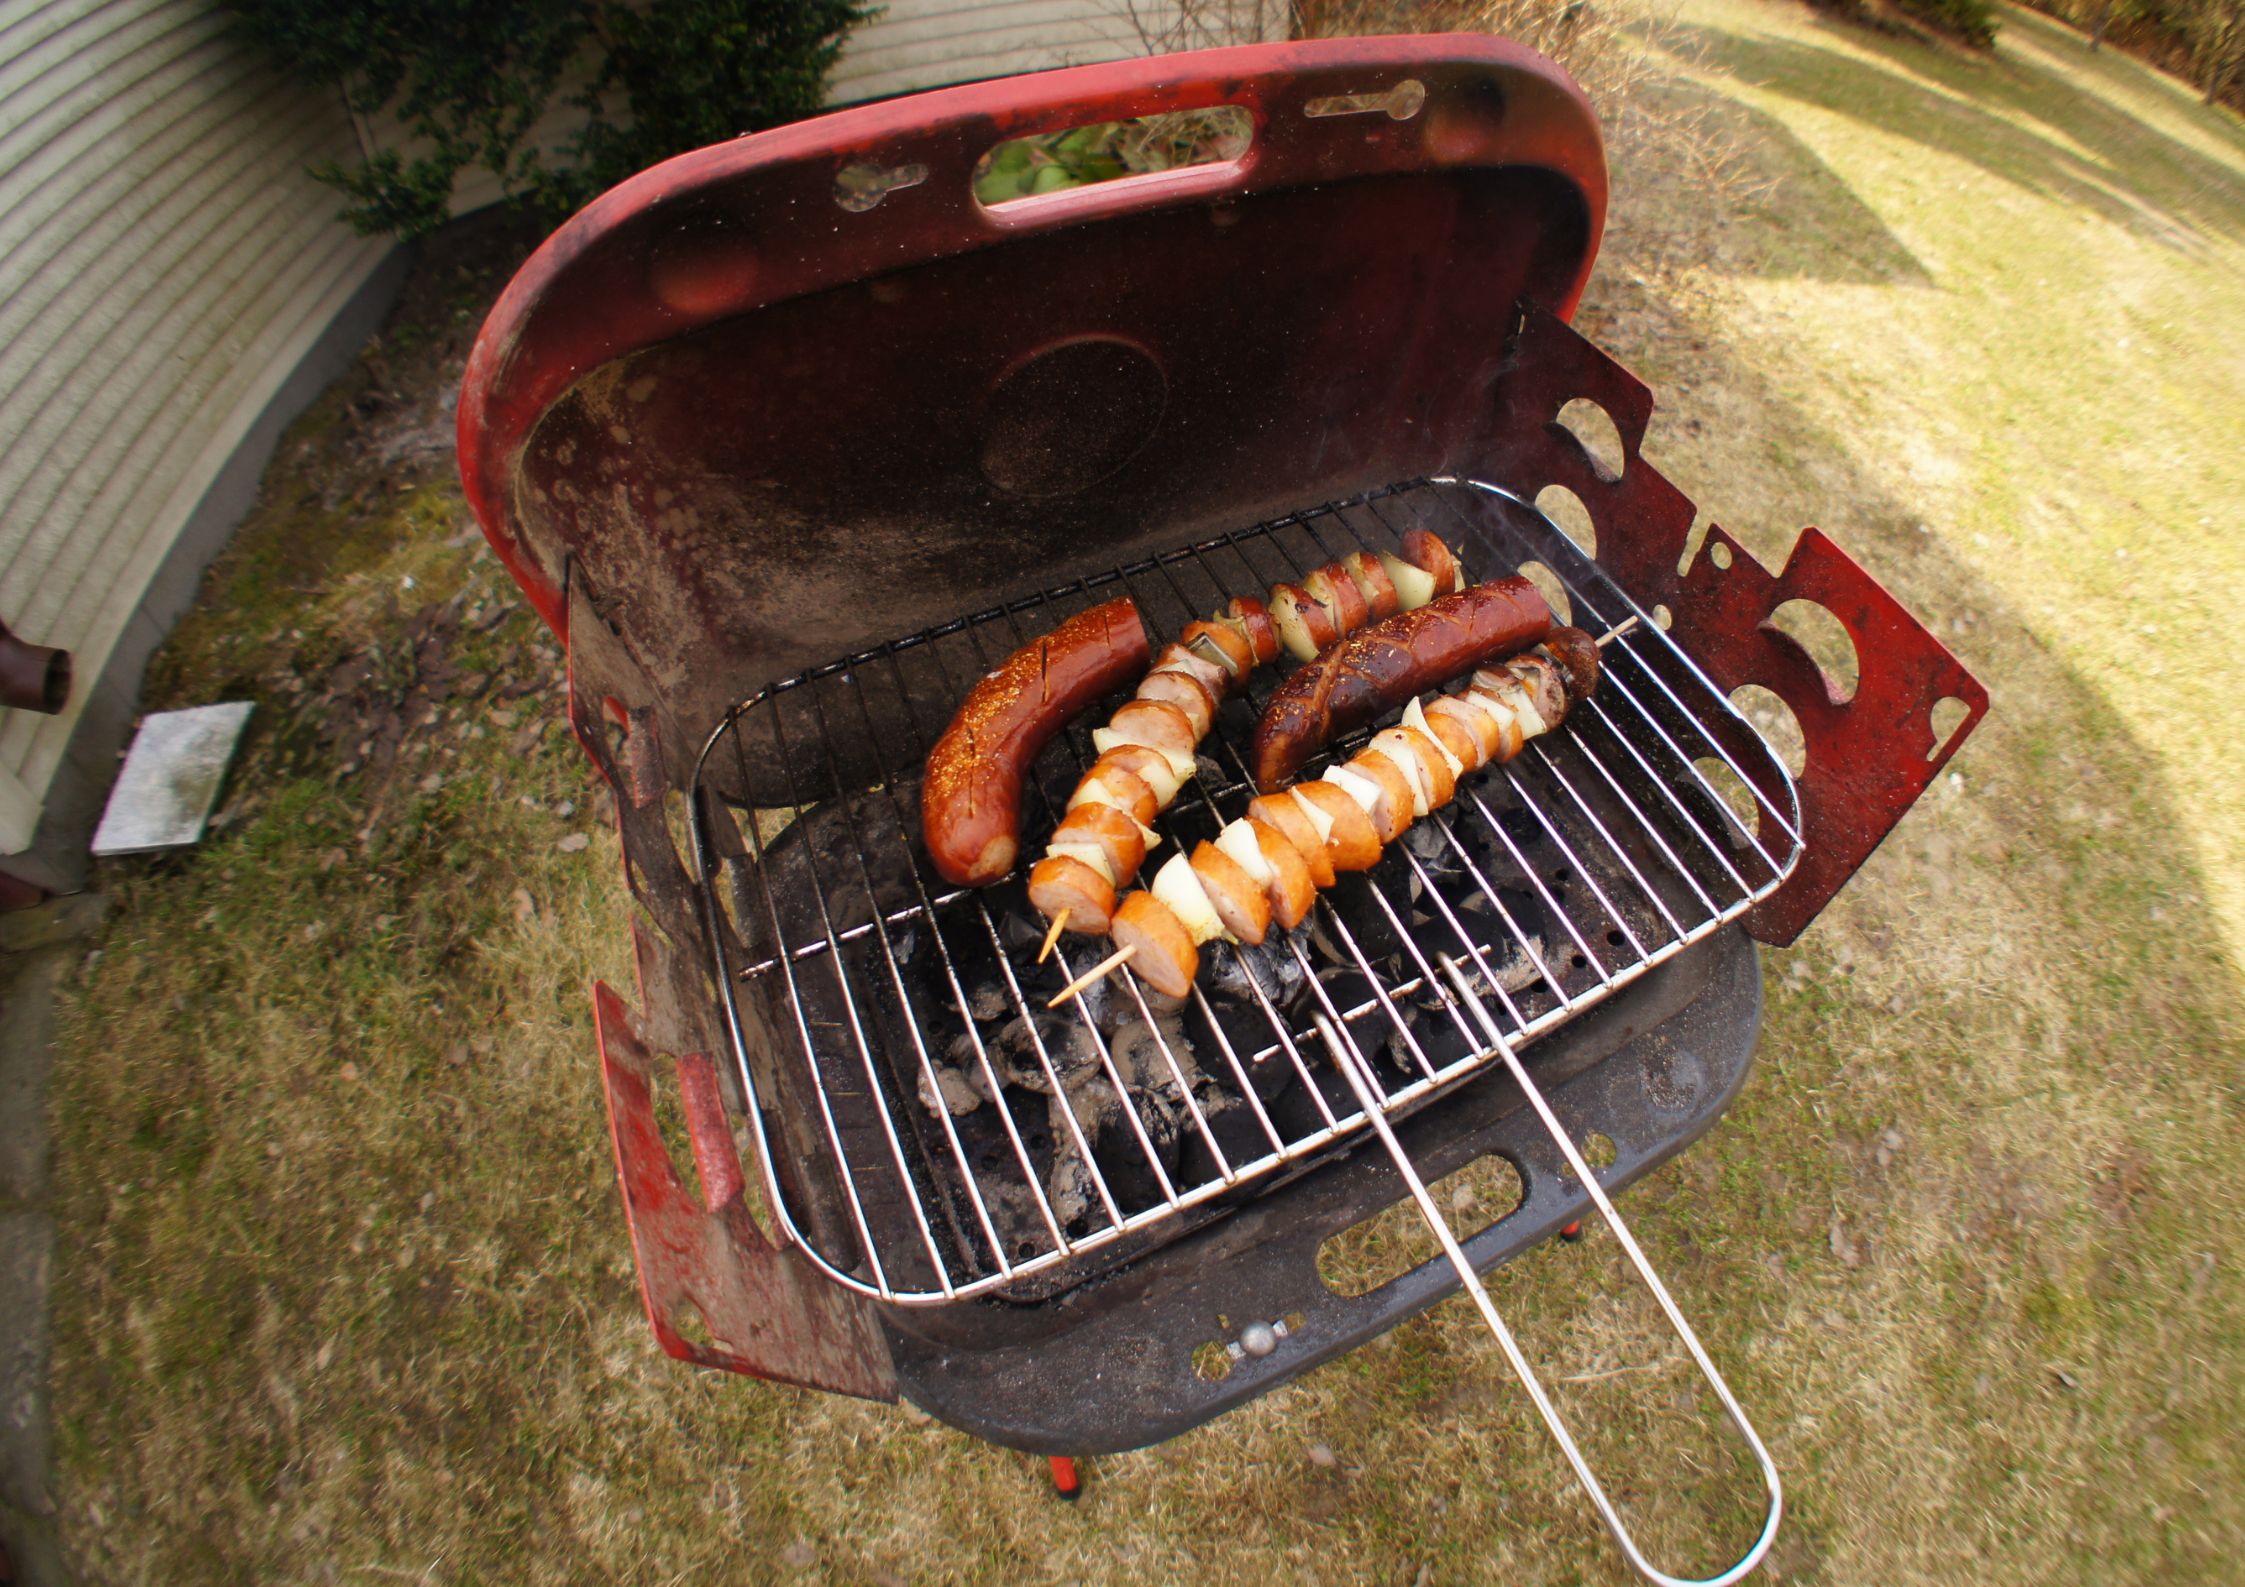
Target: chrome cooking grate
{"type": "Point", "coordinates": [977, 1142]}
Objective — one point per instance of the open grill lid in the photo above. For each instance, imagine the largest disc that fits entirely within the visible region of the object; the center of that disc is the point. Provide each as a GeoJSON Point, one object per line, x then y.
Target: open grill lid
{"type": "Point", "coordinates": [768, 428]}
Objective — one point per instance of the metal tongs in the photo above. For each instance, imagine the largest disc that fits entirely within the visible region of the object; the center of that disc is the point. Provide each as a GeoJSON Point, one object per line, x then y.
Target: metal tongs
{"type": "Point", "coordinates": [1357, 1070]}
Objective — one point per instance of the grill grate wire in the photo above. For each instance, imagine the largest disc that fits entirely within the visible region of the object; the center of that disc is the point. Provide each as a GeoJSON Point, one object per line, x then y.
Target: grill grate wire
{"type": "Point", "coordinates": [870, 962]}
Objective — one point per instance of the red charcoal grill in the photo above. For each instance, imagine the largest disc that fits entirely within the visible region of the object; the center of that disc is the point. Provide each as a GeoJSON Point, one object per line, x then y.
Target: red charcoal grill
{"type": "Point", "coordinates": [791, 438]}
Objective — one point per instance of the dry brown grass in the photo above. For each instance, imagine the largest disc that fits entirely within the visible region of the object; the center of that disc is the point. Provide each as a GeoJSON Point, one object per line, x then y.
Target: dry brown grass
{"type": "Point", "coordinates": [336, 1307]}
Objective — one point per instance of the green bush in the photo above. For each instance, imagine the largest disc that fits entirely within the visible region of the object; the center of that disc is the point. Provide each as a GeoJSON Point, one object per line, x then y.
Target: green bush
{"type": "Point", "coordinates": [1972, 20]}
{"type": "Point", "coordinates": [469, 79]}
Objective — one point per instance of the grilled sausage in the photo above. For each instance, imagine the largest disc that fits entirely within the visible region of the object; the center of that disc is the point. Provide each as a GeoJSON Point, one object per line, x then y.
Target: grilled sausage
{"type": "Point", "coordinates": [970, 804]}
{"type": "Point", "coordinates": [1387, 664]}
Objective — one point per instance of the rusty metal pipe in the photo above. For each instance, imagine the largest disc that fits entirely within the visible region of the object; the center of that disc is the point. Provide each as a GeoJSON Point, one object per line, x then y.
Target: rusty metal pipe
{"type": "Point", "coordinates": [32, 677]}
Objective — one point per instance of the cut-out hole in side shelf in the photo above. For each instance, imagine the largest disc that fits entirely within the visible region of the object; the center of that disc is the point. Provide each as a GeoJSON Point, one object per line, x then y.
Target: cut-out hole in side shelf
{"type": "Point", "coordinates": [1554, 593]}
{"type": "Point", "coordinates": [1108, 151]}
{"type": "Point", "coordinates": [1825, 638]}
{"type": "Point", "coordinates": [1400, 103]}
{"type": "Point", "coordinates": [1775, 721]}
{"type": "Point", "coordinates": [1949, 713]}
{"type": "Point", "coordinates": [1733, 799]}
{"type": "Point", "coordinates": [1594, 427]}
{"type": "Point", "coordinates": [1564, 508]}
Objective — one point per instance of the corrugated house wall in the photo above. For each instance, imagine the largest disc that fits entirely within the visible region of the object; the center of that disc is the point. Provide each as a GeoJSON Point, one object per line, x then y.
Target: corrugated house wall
{"type": "Point", "coordinates": [174, 288]}
{"type": "Point", "coordinates": [170, 279]}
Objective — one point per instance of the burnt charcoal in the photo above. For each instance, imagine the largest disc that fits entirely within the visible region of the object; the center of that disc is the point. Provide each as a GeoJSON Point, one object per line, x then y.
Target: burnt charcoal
{"type": "Point", "coordinates": [1138, 1057]}
{"type": "Point", "coordinates": [1427, 842]}
{"type": "Point", "coordinates": [1210, 773]}
{"type": "Point", "coordinates": [987, 1002]}
{"type": "Point", "coordinates": [959, 1097]}
{"type": "Point", "coordinates": [1269, 966]}
{"type": "Point", "coordinates": [1020, 930]}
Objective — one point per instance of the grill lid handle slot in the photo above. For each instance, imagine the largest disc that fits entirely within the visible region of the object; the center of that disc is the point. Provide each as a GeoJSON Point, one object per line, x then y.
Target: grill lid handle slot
{"type": "Point", "coordinates": [1366, 1085]}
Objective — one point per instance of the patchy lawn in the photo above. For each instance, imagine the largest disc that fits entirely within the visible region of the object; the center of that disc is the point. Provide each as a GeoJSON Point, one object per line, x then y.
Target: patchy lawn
{"type": "Point", "coordinates": [343, 1288]}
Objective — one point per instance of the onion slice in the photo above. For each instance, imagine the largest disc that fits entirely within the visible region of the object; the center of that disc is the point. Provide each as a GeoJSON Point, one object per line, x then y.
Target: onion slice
{"type": "Point", "coordinates": [1177, 886]}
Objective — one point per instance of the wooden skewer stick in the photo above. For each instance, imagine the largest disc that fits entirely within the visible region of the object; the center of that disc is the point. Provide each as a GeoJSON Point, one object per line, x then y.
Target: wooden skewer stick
{"type": "Point", "coordinates": [1097, 972]}
{"type": "Point", "coordinates": [1059, 924]}
{"type": "Point", "coordinates": [1619, 629]}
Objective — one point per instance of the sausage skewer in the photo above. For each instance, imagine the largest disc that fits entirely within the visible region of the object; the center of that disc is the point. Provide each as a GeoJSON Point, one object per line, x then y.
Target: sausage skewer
{"type": "Point", "coordinates": [1147, 750]}
{"type": "Point", "coordinates": [1341, 821]}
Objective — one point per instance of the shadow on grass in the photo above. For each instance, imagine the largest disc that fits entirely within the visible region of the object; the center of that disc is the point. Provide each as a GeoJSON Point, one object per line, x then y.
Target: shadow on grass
{"type": "Point", "coordinates": [1811, 225]}
{"type": "Point", "coordinates": [2089, 151]}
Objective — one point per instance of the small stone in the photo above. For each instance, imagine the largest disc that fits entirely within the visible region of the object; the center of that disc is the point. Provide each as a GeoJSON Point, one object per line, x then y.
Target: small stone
{"type": "Point", "coordinates": [350, 1072]}
{"type": "Point", "coordinates": [1322, 1456]}
{"type": "Point", "coordinates": [272, 1148]}
{"type": "Point", "coordinates": [799, 1555]}
{"type": "Point", "coordinates": [428, 1199]}
{"type": "Point", "coordinates": [525, 907]}
{"type": "Point", "coordinates": [431, 783]}
{"type": "Point", "coordinates": [565, 809]}
{"type": "Point", "coordinates": [1843, 1244]}
{"type": "Point", "coordinates": [458, 1056]}
{"type": "Point", "coordinates": [575, 843]}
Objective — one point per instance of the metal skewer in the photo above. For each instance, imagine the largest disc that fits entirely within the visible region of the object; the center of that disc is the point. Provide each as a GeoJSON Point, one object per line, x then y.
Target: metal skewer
{"type": "Point", "coordinates": [1357, 1071]}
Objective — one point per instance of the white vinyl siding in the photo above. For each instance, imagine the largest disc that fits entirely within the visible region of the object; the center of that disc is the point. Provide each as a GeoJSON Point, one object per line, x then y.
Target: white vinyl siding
{"type": "Point", "coordinates": [166, 262]}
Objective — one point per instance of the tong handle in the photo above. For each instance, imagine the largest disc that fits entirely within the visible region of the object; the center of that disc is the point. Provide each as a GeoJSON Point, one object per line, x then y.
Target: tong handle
{"type": "Point", "coordinates": [1357, 1071]}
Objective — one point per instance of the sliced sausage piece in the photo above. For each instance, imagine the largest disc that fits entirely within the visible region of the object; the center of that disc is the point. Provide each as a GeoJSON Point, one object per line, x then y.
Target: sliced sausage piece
{"type": "Point", "coordinates": [1332, 586]}
{"type": "Point", "coordinates": [1387, 664]}
{"type": "Point", "coordinates": [1165, 957]}
{"type": "Point", "coordinates": [1184, 691]}
{"type": "Point", "coordinates": [1373, 581]}
{"type": "Point", "coordinates": [1153, 723]}
{"type": "Point", "coordinates": [1059, 882]}
{"type": "Point", "coordinates": [1223, 643]}
{"type": "Point", "coordinates": [1112, 785]}
{"type": "Point", "coordinates": [1291, 889]}
{"type": "Point", "coordinates": [1427, 765]}
{"type": "Point", "coordinates": [1350, 841]}
{"type": "Point", "coordinates": [1303, 624]}
{"type": "Point", "coordinates": [1460, 716]}
{"type": "Point", "coordinates": [1208, 674]}
{"type": "Point", "coordinates": [970, 802]}
{"type": "Point", "coordinates": [1280, 812]}
{"type": "Point", "coordinates": [1160, 773]}
{"type": "Point", "coordinates": [1254, 619]}
{"type": "Point", "coordinates": [1240, 902]}
{"type": "Point", "coordinates": [1424, 550]}
{"type": "Point", "coordinates": [1397, 805]}
{"type": "Point", "coordinates": [1111, 831]}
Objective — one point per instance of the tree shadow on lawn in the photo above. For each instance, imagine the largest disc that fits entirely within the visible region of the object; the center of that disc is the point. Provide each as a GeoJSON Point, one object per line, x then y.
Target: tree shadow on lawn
{"type": "Point", "coordinates": [2003, 1058]}
{"type": "Point", "coordinates": [1806, 221]}
{"type": "Point", "coordinates": [2135, 176]}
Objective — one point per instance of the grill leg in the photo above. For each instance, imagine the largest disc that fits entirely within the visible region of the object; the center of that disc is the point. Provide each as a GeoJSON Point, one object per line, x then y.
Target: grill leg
{"type": "Point", "coordinates": [1065, 1482]}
